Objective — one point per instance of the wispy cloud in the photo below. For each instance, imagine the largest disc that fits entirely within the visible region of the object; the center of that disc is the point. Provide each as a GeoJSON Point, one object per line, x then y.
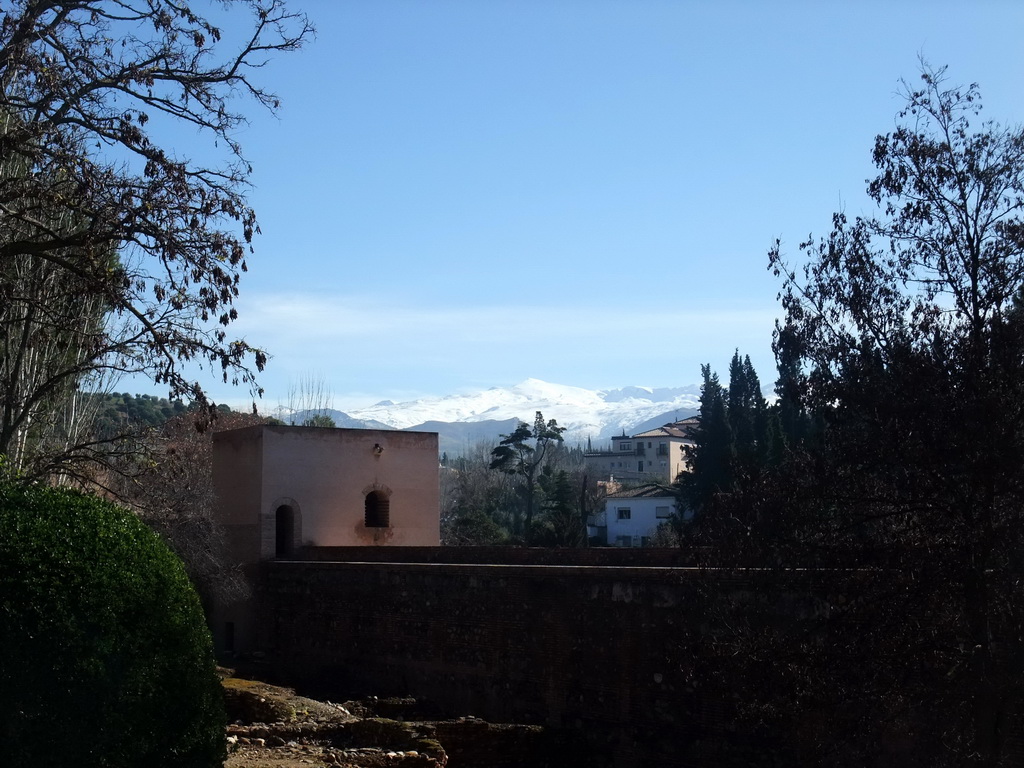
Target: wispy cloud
{"type": "Point", "coordinates": [304, 319]}
{"type": "Point", "coordinates": [398, 348]}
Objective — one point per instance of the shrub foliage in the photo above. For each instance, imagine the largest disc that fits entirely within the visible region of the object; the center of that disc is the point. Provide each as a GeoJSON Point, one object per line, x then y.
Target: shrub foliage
{"type": "Point", "coordinates": [105, 659]}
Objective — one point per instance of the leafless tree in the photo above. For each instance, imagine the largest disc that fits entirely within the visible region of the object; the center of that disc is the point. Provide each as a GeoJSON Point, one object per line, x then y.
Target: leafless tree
{"type": "Point", "coordinates": [477, 504]}
{"type": "Point", "coordinates": [309, 402]}
{"type": "Point", "coordinates": [171, 489]}
{"type": "Point", "coordinates": [120, 255]}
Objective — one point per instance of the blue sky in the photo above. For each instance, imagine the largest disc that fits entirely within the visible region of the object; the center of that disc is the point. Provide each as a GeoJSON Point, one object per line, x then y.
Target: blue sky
{"type": "Point", "coordinates": [460, 194]}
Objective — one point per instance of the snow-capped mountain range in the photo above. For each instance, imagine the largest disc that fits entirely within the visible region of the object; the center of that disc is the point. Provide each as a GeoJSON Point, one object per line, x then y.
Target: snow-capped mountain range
{"type": "Point", "coordinates": [585, 413]}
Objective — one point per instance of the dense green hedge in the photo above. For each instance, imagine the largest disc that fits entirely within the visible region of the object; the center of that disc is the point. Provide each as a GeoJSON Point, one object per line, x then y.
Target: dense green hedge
{"type": "Point", "coordinates": [105, 659]}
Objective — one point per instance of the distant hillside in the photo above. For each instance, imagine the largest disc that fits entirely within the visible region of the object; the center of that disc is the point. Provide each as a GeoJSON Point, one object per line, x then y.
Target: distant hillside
{"type": "Point", "coordinates": [454, 438]}
{"type": "Point", "coordinates": [340, 419]}
{"type": "Point", "coordinates": [116, 410]}
{"type": "Point", "coordinates": [457, 438]}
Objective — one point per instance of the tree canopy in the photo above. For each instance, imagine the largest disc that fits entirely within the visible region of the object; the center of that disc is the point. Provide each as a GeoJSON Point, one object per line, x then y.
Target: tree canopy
{"type": "Point", "coordinates": [523, 454]}
{"type": "Point", "coordinates": [738, 437]}
{"type": "Point", "coordinates": [901, 396]}
{"type": "Point", "coordinates": [95, 203]}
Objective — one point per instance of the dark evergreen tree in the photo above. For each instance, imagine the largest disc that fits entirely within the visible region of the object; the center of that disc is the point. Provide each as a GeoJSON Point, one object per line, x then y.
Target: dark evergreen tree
{"type": "Point", "coordinates": [749, 418]}
{"type": "Point", "coordinates": [789, 387]}
{"type": "Point", "coordinates": [523, 454]}
{"type": "Point", "coordinates": [712, 456]}
{"type": "Point", "coordinates": [767, 450]}
{"type": "Point", "coordinates": [901, 388]}
{"type": "Point", "coordinates": [741, 411]}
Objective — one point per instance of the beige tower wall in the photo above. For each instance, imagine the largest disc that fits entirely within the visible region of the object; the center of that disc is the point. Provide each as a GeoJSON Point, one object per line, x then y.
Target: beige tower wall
{"type": "Point", "coordinates": [323, 476]}
{"type": "Point", "coordinates": [319, 479]}
{"type": "Point", "coordinates": [237, 483]}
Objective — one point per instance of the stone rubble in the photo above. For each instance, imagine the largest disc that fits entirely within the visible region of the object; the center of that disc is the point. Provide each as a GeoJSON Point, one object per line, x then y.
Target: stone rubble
{"type": "Point", "coordinates": [273, 728]}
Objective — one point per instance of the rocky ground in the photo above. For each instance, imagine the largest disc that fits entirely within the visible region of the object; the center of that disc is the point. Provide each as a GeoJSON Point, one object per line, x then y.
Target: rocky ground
{"type": "Point", "coordinates": [272, 727]}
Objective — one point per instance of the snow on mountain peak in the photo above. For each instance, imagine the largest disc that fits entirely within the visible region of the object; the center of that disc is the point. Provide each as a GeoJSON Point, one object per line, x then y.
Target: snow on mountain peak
{"type": "Point", "coordinates": [584, 413]}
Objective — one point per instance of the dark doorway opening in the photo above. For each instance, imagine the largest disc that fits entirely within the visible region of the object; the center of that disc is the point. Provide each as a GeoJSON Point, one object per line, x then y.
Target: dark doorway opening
{"type": "Point", "coordinates": [285, 539]}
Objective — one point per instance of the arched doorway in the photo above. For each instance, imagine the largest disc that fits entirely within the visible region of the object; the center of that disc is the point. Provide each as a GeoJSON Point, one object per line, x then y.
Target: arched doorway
{"type": "Point", "coordinates": [377, 508]}
{"type": "Point", "coordinates": [285, 532]}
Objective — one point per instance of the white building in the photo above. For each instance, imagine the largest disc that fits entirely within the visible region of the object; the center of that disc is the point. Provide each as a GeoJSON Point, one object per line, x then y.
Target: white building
{"type": "Point", "coordinates": [631, 516]}
{"type": "Point", "coordinates": [655, 455]}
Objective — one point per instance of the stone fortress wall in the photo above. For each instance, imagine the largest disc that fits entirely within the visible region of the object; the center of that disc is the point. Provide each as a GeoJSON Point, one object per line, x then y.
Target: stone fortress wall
{"type": "Point", "coordinates": [602, 651]}
{"type": "Point", "coordinates": [338, 530]}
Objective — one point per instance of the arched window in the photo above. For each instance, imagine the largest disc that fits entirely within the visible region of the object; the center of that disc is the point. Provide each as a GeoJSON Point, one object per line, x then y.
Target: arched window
{"type": "Point", "coordinates": [285, 530]}
{"type": "Point", "coordinates": [378, 510]}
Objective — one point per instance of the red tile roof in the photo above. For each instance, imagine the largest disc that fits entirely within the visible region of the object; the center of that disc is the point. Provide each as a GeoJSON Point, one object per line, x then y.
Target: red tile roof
{"type": "Point", "coordinates": [647, 491]}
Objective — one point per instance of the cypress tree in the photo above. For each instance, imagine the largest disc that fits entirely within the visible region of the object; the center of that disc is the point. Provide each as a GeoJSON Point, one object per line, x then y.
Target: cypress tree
{"type": "Point", "coordinates": [741, 416]}
{"type": "Point", "coordinates": [712, 456]}
{"type": "Point", "coordinates": [789, 386]}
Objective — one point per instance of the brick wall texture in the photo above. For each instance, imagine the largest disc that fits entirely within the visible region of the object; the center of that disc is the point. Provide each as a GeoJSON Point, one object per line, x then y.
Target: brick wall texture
{"type": "Point", "coordinates": [612, 650]}
{"type": "Point", "coordinates": [605, 652]}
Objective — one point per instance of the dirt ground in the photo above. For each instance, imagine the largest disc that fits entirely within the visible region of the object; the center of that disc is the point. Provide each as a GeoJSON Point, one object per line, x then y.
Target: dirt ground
{"type": "Point", "coordinates": [271, 727]}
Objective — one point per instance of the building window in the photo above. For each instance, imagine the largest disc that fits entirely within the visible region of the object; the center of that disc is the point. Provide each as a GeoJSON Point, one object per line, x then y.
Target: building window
{"type": "Point", "coordinates": [624, 513]}
{"type": "Point", "coordinates": [639, 466]}
{"type": "Point", "coordinates": [662, 512]}
{"type": "Point", "coordinates": [623, 541]}
{"type": "Point", "coordinates": [625, 446]}
{"type": "Point", "coordinates": [378, 510]}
